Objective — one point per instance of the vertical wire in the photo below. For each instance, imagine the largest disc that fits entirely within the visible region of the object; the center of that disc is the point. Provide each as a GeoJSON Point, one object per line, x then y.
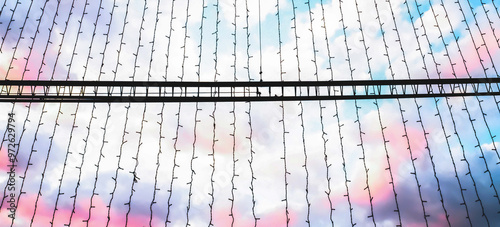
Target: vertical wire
{"type": "Point", "coordinates": [436, 64]}
{"type": "Point", "coordinates": [175, 165]}
{"type": "Point", "coordinates": [125, 124]}
{"type": "Point", "coordinates": [104, 141]}
{"type": "Point", "coordinates": [479, 101]}
{"type": "Point", "coordinates": [17, 43]}
{"type": "Point", "coordinates": [214, 140]}
{"type": "Point", "coordinates": [59, 193]}
{"type": "Point", "coordinates": [481, 32]}
{"type": "Point", "coordinates": [496, 9]}
{"type": "Point", "coordinates": [3, 6]}
{"type": "Point", "coordinates": [361, 133]}
{"type": "Point", "coordinates": [160, 123]}
{"type": "Point", "coordinates": [451, 113]}
{"type": "Point", "coordinates": [18, 2]}
{"type": "Point", "coordinates": [282, 120]}
{"type": "Point", "coordinates": [419, 186]}
{"type": "Point", "coordinates": [234, 175]}
{"type": "Point", "coordinates": [419, 106]}
{"type": "Point", "coordinates": [294, 27]}
{"type": "Point", "coordinates": [249, 111]}
{"type": "Point", "coordinates": [196, 120]}
{"type": "Point", "coordinates": [491, 23]}
{"type": "Point", "coordinates": [57, 116]}
{"type": "Point", "coordinates": [92, 117]}
{"type": "Point", "coordinates": [382, 127]}
{"type": "Point", "coordinates": [13, 104]}
{"type": "Point", "coordinates": [178, 114]}
{"type": "Point", "coordinates": [6, 77]}
{"type": "Point", "coordinates": [351, 70]}
{"type": "Point", "coordinates": [327, 165]}
{"type": "Point", "coordinates": [135, 178]}
{"type": "Point", "coordinates": [184, 57]}
{"type": "Point", "coordinates": [32, 150]}
{"type": "Point", "coordinates": [107, 115]}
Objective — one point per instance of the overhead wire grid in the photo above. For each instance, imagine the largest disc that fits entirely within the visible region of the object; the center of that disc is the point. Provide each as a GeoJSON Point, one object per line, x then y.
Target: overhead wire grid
{"type": "Point", "coordinates": [368, 161]}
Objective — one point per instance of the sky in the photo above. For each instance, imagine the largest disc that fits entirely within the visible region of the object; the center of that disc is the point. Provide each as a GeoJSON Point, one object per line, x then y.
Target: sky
{"type": "Point", "coordinates": [410, 162]}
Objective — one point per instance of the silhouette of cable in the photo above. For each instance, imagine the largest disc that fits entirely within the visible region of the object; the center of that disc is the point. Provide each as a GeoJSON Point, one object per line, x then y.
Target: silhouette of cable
{"type": "Point", "coordinates": [2, 9]}
{"type": "Point", "coordinates": [282, 120]}
{"type": "Point", "coordinates": [490, 22]}
{"type": "Point", "coordinates": [382, 127]}
{"type": "Point", "coordinates": [351, 70]}
{"type": "Point", "coordinates": [18, 2]}
{"type": "Point", "coordinates": [330, 69]}
{"type": "Point", "coordinates": [160, 123]}
{"type": "Point", "coordinates": [361, 133]}
{"type": "Point", "coordinates": [135, 178]}
{"type": "Point", "coordinates": [214, 140]}
{"type": "Point", "coordinates": [108, 115]}
{"type": "Point", "coordinates": [249, 111]}
{"type": "Point", "coordinates": [127, 107]}
{"type": "Point", "coordinates": [233, 112]}
{"type": "Point", "coordinates": [436, 64]}
{"type": "Point", "coordinates": [57, 117]}
{"type": "Point", "coordinates": [301, 114]}
{"type": "Point", "coordinates": [13, 105]}
{"type": "Point", "coordinates": [197, 110]}
{"type": "Point", "coordinates": [452, 64]}
{"type": "Point", "coordinates": [178, 114]}
{"type": "Point", "coordinates": [419, 106]}
{"type": "Point", "coordinates": [480, 101]}
{"type": "Point", "coordinates": [32, 150]}
{"type": "Point", "coordinates": [59, 193]}
{"type": "Point", "coordinates": [404, 120]}
{"type": "Point", "coordinates": [496, 9]}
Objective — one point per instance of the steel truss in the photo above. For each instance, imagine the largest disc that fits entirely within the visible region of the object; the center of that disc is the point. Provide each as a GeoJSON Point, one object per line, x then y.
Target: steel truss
{"type": "Point", "coordinates": [142, 91]}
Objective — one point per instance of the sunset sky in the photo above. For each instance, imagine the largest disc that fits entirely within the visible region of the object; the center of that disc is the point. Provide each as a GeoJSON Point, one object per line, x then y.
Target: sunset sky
{"type": "Point", "coordinates": [428, 161]}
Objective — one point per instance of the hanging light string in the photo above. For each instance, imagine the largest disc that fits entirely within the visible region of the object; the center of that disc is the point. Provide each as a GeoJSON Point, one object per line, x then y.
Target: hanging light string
{"type": "Point", "coordinates": [107, 114]}
{"type": "Point", "coordinates": [361, 133]}
{"type": "Point", "coordinates": [328, 192]}
{"type": "Point", "coordinates": [198, 109]}
{"type": "Point", "coordinates": [59, 193]}
{"type": "Point", "coordinates": [127, 110]}
{"type": "Point", "coordinates": [233, 112]}
{"type": "Point", "coordinates": [18, 2]}
{"type": "Point", "coordinates": [382, 127]}
{"type": "Point", "coordinates": [193, 154]}
{"type": "Point", "coordinates": [438, 112]}
{"type": "Point", "coordinates": [3, 7]}
{"type": "Point", "coordinates": [15, 48]}
{"type": "Point", "coordinates": [496, 8]}
{"type": "Point", "coordinates": [177, 128]}
{"type": "Point", "coordinates": [282, 120]}
{"type": "Point", "coordinates": [59, 108]}
{"type": "Point", "coordinates": [248, 112]}
{"type": "Point", "coordinates": [351, 70]}
{"type": "Point", "coordinates": [425, 133]}
{"type": "Point", "coordinates": [450, 108]}
{"type": "Point", "coordinates": [436, 100]}
{"type": "Point", "coordinates": [135, 177]}
{"type": "Point", "coordinates": [160, 123]}
{"type": "Point", "coordinates": [214, 137]}
{"type": "Point", "coordinates": [32, 150]}
{"type": "Point", "coordinates": [301, 115]}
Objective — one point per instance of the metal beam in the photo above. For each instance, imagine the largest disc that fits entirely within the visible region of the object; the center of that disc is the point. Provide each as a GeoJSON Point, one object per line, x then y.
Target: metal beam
{"type": "Point", "coordinates": [152, 91]}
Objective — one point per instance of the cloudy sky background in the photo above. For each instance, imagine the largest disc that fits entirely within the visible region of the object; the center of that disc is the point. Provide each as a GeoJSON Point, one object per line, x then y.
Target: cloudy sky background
{"type": "Point", "coordinates": [85, 156]}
